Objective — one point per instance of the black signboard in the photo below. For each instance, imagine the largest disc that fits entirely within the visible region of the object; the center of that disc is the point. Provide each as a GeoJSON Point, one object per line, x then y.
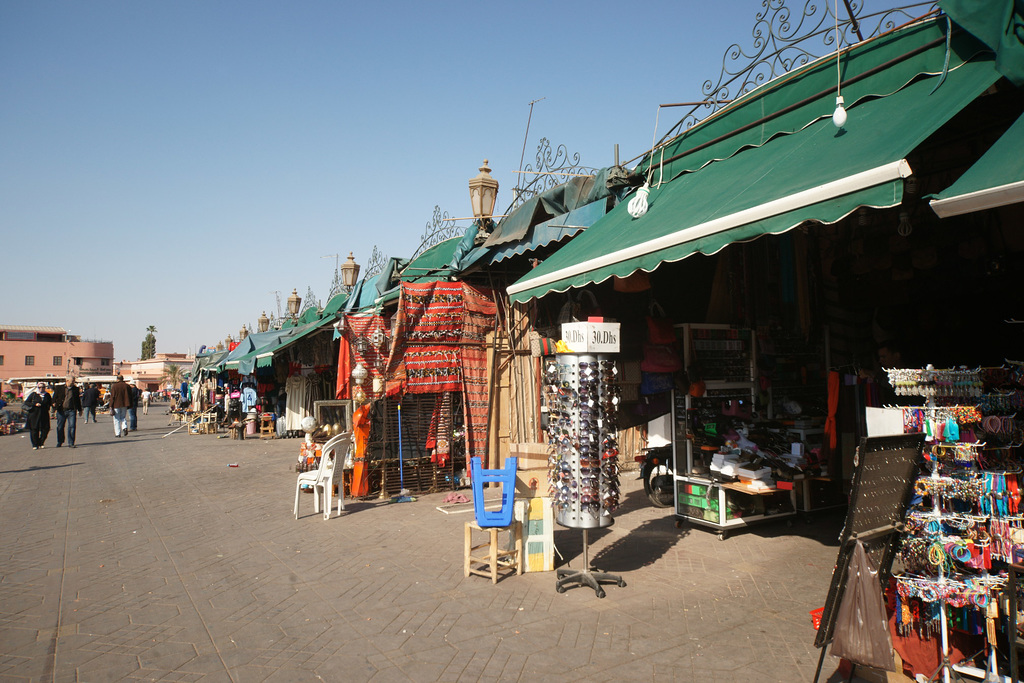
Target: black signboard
{"type": "Point", "coordinates": [886, 468]}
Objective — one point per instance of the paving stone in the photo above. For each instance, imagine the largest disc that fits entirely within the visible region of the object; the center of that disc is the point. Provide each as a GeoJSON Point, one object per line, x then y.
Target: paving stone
{"type": "Point", "coordinates": [160, 563]}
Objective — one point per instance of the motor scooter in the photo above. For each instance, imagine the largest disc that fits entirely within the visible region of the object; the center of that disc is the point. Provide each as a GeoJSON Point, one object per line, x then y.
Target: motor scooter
{"type": "Point", "coordinates": [659, 477]}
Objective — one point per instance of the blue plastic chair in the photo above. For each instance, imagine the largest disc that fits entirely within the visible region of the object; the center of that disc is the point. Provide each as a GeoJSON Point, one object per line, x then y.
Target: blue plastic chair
{"type": "Point", "coordinates": [507, 478]}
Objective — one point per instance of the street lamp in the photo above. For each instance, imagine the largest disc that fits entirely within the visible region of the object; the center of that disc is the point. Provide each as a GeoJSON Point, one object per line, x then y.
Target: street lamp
{"type": "Point", "coordinates": [263, 322]}
{"type": "Point", "coordinates": [349, 272]}
{"type": "Point", "coordinates": [483, 191]}
{"type": "Point", "coordinates": [294, 301]}
{"type": "Point", "coordinates": [243, 333]}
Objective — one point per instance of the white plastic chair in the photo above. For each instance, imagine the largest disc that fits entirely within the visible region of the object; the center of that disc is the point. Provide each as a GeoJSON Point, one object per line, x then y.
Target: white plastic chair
{"type": "Point", "coordinates": [340, 447]}
{"type": "Point", "coordinates": [313, 478]}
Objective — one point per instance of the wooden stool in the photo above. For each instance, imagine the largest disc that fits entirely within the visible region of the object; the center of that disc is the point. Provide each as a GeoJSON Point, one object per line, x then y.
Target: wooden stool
{"type": "Point", "coordinates": [237, 431]}
{"type": "Point", "coordinates": [266, 427]}
{"type": "Point", "coordinates": [496, 557]}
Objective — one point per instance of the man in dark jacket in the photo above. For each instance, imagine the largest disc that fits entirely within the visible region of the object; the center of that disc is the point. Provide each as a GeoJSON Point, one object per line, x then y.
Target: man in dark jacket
{"type": "Point", "coordinates": [90, 399]}
{"type": "Point", "coordinates": [133, 409]}
{"type": "Point", "coordinates": [120, 401]}
{"type": "Point", "coordinates": [67, 403]}
{"type": "Point", "coordinates": [37, 404]}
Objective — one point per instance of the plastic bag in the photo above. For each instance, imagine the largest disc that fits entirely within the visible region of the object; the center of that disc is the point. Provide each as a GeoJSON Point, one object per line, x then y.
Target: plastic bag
{"type": "Point", "coordinates": [861, 632]}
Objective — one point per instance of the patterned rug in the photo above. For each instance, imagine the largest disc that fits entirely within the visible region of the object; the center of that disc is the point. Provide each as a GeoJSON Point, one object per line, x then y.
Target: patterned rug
{"type": "Point", "coordinates": [442, 327]}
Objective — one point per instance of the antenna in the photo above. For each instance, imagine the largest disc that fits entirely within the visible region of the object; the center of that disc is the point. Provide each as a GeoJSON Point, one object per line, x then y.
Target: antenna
{"type": "Point", "coordinates": [335, 257]}
{"type": "Point", "coordinates": [277, 294]}
{"type": "Point", "coordinates": [523, 155]}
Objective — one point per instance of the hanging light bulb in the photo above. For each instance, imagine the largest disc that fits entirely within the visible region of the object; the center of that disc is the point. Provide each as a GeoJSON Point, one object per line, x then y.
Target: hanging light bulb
{"type": "Point", "coordinates": [905, 227]}
{"type": "Point", "coordinates": [839, 115]}
{"type": "Point", "coordinates": [638, 204]}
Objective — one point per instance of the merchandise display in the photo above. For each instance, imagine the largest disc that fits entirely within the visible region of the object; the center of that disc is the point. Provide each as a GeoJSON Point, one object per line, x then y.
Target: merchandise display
{"type": "Point", "coordinates": [582, 400]}
{"type": "Point", "coordinates": [734, 471]}
{"type": "Point", "coordinates": [964, 530]}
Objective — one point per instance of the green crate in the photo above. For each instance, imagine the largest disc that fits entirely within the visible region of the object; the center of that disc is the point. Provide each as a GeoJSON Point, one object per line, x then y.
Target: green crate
{"type": "Point", "coordinates": [699, 502]}
{"type": "Point", "coordinates": [695, 489]}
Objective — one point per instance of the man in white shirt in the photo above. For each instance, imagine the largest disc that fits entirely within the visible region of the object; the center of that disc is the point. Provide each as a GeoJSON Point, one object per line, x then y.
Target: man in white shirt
{"type": "Point", "coordinates": [146, 395]}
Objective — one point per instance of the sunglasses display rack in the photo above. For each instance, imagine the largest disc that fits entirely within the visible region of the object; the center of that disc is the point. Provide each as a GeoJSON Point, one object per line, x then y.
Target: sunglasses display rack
{"type": "Point", "coordinates": [582, 398]}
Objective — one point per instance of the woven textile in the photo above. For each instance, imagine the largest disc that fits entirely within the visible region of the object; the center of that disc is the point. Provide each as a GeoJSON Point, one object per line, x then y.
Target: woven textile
{"type": "Point", "coordinates": [479, 320]}
{"type": "Point", "coordinates": [431, 323]}
{"type": "Point", "coordinates": [440, 429]}
{"type": "Point", "coordinates": [442, 327]}
{"type": "Point", "coordinates": [366, 335]}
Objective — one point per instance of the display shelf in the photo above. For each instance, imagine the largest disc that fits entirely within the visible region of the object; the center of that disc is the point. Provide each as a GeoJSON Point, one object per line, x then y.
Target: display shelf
{"type": "Point", "coordinates": [725, 506]}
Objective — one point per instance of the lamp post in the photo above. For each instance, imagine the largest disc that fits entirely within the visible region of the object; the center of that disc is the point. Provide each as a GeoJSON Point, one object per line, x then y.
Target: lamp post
{"type": "Point", "coordinates": [349, 272]}
{"type": "Point", "coordinates": [263, 322]}
{"type": "Point", "coordinates": [294, 301]}
{"type": "Point", "coordinates": [483, 192]}
{"type": "Point", "coordinates": [243, 333]}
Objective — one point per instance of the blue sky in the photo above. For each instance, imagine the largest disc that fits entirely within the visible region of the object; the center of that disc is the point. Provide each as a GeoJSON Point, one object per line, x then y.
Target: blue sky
{"type": "Point", "coordinates": [176, 163]}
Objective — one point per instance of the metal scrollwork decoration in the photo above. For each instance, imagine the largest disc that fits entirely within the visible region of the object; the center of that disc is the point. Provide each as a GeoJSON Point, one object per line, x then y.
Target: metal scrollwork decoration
{"type": "Point", "coordinates": [337, 287]}
{"type": "Point", "coordinates": [554, 166]}
{"type": "Point", "coordinates": [376, 263]}
{"type": "Point", "coordinates": [440, 228]}
{"type": "Point", "coordinates": [309, 302]}
{"type": "Point", "coordinates": [784, 40]}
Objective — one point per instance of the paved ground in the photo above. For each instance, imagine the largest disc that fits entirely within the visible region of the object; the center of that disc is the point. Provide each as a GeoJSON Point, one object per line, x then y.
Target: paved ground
{"type": "Point", "coordinates": [147, 558]}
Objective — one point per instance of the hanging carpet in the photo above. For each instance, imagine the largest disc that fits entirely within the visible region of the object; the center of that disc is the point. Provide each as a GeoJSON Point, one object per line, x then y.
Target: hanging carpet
{"type": "Point", "coordinates": [441, 330]}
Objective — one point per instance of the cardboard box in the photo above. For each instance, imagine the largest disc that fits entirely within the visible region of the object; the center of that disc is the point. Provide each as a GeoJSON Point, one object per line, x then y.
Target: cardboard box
{"type": "Point", "coordinates": [532, 483]}
{"type": "Point", "coordinates": [538, 534]}
{"type": "Point", "coordinates": [591, 337]}
{"type": "Point", "coordinates": [529, 455]}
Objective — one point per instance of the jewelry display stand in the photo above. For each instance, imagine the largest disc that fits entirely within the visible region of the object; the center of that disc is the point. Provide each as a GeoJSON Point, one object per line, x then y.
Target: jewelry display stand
{"type": "Point", "coordinates": [951, 552]}
{"type": "Point", "coordinates": [582, 396]}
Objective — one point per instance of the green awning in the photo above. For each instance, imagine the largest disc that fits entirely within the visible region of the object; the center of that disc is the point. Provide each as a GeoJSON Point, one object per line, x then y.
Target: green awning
{"type": "Point", "coordinates": [996, 179]}
{"type": "Point", "coordinates": [997, 23]}
{"type": "Point", "coordinates": [430, 266]}
{"type": "Point", "coordinates": [262, 356]}
{"type": "Point", "coordinates": [815, 173]}
{"type": "Point", "coordinates": [790, 102]}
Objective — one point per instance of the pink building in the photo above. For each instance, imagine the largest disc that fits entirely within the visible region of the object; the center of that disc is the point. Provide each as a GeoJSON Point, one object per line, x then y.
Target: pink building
{"type": "Point", "coordinates": [35, 351]}
{"type": "Point", "coordinates": [151, 374]}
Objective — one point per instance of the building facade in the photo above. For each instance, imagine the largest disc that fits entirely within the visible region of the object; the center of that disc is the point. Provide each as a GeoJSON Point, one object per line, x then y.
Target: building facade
{"type": "Point", "coordinates": [39, 351]}
{"type": "Point", "coordinates": [152, 373]}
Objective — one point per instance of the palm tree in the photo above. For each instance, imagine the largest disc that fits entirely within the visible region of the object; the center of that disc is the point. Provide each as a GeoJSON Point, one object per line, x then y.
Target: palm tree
{"type": "Point", "coordinates": [149, 344]}
{"type": "Point", "coordinates": [172, 375]}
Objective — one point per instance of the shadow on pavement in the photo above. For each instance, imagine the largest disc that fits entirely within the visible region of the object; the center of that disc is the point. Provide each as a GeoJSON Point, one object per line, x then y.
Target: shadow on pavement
{"type": "Point", "coordinates": [36, 468]}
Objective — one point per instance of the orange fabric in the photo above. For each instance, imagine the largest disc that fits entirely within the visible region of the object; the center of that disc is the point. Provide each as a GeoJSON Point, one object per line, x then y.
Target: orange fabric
{"type": "Point", "coordinates": [833, 407]}
{"type": "Point", "coordinates": [361, 432]}
{"type": "Point", "coordinates": [343, 389]}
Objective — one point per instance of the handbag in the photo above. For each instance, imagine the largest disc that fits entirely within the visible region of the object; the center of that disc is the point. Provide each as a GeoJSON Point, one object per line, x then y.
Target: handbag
{"type": "Point", "coordinates": [659, 327]}
{"type": "Point", "coordinates": [655, 383]}
{"type": "Point", "coordinates": [661, 358]}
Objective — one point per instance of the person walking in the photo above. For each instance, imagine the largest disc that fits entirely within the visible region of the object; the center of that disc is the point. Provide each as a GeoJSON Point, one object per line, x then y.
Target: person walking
{"type": "Point", "coordinates": [67, 404]}
{"type": "Point", "coordinates": [146, 396]}
{"type": "Point", "coordinates": [133, 409]}
{"type": "Point", "coordinates": [90, 399]}
{"type": "Point", "coordinates": [38, 403]}
{"type": "Point", "coordinates": [120, 401]}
